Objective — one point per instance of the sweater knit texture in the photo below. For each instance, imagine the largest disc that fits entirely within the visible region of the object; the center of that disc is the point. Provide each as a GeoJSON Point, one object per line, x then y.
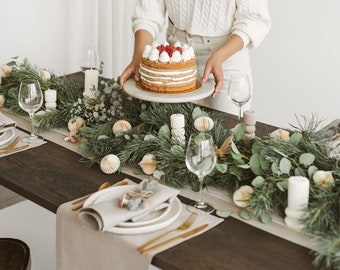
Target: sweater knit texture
{"type": "Point", "coordinates": [210, 18]}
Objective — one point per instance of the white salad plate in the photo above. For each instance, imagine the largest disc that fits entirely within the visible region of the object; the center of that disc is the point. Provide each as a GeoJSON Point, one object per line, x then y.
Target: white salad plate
{"type": "Point", "coordinates": [205, 90]}
{"type": "Point", "coordinates": [152, 222]}
{"type": "Point", "coordinates": [7, 137]}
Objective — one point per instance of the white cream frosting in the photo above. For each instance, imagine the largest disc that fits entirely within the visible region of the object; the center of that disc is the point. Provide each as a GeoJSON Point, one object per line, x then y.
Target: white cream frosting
{"type": "Point", "coordinates": [176, 57]}
{"type": "Point", "coordinates": [146, 52]}
{"type": "Point", "coordinates": [164, 57]}
{"type": "Point", "coordinates": [152, 53]}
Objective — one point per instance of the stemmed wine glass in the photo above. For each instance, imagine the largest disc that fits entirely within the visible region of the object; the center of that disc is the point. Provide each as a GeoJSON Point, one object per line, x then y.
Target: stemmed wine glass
{"type": "Point", "coordinates": [200, 159]}
{"type": "Point", "coordinates": [30, 100]}
{"type": "Point", "coordinates": [239, 91]}
{"type": "Point", "coordinates": [90, 59]}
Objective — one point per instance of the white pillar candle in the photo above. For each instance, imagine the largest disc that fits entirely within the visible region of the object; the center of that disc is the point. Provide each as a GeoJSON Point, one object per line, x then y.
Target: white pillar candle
{"type": "Point", "coordinates": [50, 99]}
{"type": "Point", "coordinates": [177, 120]}
{"type": "Point", "coordinates": [91, 82]}
{"type": "Point", "coordinates": [298, 197]}
{"type": "Point", "coordinates": [177, 123]}
{"type": "Point", "coordinates": [50, 95]}
{"type": "Point", "coordinates": [249, 118]}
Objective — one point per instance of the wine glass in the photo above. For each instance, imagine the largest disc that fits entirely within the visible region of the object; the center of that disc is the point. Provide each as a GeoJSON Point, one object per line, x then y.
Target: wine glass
{"type": "Point", "coordinates": [30, 100]}
{"type": "Point", "coordinates": [90, 59]}
{"type": "Point", "coordinates": [200, 159]}
{"type": "Point", "coordinates": [239, 91]}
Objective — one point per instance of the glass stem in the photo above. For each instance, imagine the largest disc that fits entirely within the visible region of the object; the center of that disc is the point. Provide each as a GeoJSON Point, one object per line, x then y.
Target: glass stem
{"type": "Point", "coordinates": [32, 126]}
{"type": "Point", "coordinates": [200, 198]}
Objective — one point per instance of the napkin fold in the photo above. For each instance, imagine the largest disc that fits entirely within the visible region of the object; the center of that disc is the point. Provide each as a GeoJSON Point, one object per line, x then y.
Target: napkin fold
{"type": "Point", "coordinates": [107, 214]}
{"type": "Point", "coordinates": [6, 123]}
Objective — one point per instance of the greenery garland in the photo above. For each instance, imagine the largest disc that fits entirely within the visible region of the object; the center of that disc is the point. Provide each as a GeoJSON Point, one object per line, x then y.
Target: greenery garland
{"type": "Point", "coordinates": [264, 163]}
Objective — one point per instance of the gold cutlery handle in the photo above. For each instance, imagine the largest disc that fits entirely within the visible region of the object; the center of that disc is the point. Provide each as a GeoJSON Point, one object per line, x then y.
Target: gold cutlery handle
{"type": "Point", "coordinates": [183, 235]}
{"type": "Point", "coordinates": [140, 249]}
{"type": "Point", "coordinates": [148, 250]}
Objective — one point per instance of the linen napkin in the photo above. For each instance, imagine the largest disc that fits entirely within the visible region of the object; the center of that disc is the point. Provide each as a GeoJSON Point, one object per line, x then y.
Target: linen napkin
{"type": "Point", "coordinates": [6, 123]}
{"type": "Point", "coordinates": [106, 214]}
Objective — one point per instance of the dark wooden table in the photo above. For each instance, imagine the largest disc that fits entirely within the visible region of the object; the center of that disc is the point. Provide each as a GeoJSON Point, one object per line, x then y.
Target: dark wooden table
{"type": "Point", "coordinates": [51, 175]}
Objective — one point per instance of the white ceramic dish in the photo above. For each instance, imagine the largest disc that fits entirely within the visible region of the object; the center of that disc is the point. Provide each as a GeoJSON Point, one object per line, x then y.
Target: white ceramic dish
{"type": "Point", "coordinates": [166, 220]}
{"type": "Point", "coordinates": [7, 137]}
{"type": "Point", "coordinates": [152, 222]}
{"type": "Point", "coordinates": [204, 91]}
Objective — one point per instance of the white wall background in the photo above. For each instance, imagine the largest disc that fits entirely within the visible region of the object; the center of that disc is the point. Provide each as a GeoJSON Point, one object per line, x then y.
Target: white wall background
{"type": "Point", "coordinates": [296, 69]}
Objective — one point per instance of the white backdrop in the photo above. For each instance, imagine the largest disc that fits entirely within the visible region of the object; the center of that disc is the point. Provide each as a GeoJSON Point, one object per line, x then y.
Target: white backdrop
{"type": "Point", "coordinates": [296, 69]}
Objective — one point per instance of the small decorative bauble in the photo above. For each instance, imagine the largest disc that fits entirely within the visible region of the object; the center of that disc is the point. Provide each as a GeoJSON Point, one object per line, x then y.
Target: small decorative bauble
{"type": "Point", "coordinates": [323, 179]}
{"type": "Point", "coordinates": [148, 164]}
{"type": "Point", "coordinates": [121, 126]}
{"type": "Point", "coordinates": [241, 196]}
{"type": "Point", "coordinates": [109, 164]}
{"type": "Point", "coordinates": [75, 124]}
{"type": "Point", "coordinates": [204, 123]}
{"type": "Point", "coordinates": [280, 134]}
{"type": "Point", "coordinates": [2, 101]}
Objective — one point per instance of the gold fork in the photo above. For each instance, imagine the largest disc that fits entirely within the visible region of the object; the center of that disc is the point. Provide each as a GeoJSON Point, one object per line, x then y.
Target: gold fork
{"type": "Point", "coordinates": [190, 220]}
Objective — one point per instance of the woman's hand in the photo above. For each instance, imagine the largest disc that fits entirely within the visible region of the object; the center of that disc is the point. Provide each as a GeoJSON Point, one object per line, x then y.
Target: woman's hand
{"type": "Point", "coordinates": [130, 70]}
{"type": "Point", "coordinates": [214, 67]}
{"type": "Point", "coordinates": [142, 38]}
{"type": "Point", "coordinates": [215, 61]}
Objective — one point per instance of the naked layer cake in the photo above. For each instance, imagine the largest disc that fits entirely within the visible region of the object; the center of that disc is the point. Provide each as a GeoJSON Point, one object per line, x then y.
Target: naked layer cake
{"type": "Point", "coordinates": [168, 68]}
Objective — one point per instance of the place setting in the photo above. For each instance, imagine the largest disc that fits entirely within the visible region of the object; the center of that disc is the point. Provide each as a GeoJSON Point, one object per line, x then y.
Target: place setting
{"type": "Point", "coordinates": [13, 140]}
{"type": "Point", "coordinates": [134, 220]}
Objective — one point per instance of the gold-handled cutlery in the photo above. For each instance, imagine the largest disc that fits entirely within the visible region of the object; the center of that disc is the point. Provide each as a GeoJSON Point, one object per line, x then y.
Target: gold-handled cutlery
{"type": "Point", "coordinates": [186, 225]}
{"type": "Point", "coordinates": [80, 202]}
{"type": "Point", "coordinates": [11, 147]}
{"type": "Point", "coordinates": [183, 235]}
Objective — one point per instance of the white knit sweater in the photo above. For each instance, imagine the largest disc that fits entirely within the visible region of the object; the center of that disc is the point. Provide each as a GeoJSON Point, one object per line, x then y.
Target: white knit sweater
{"type": "Point", "coordinates": [212, 18]}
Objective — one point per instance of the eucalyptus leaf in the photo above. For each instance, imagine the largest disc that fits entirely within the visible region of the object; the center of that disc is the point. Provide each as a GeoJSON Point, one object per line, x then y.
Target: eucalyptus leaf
{"type": "Point", "coordinates": [299, 172]}
{"type": "Point", "coordinates": [224, 213]}
{"type": "Point", "coordinates": [255, 164]}
{"type": "Point", "coordinates": [236, 156]}
{"type": "Point", "coordinates": [177, 150]}
{"type": "Point", "coordinates": [311, 170]}
{"type": "Point", "coordinates": [164, 132]}
{"type": "Point", "coordinates": [239, 131]}
{"type": "Point", "coordinates": [258, 181]}
{"type": "Point", "coordinates": [234, 148]}
{"type": "Point", "coordinates": [222, 168]}
{"type": "Point", "coordinates": [306, 159]}
{"type": "Point", "coordinates": [149, 137]}
{"type": "Point", "coordinates": [275, 168]}
{"type": "Point", "coordinates": [266, 218]}
{"type": "Point", "coordinates": [295, 138]}
{"type": "Point", "coordinates": [244, 214]}
{"type": "Point", "coordinates": [280, 153]}
{"type": "Point", "coordinates": [285, 165]}
{"type": "Point", "coordinates": [283, 185]}
{"type": "Point", "coordinates": [196, 113]}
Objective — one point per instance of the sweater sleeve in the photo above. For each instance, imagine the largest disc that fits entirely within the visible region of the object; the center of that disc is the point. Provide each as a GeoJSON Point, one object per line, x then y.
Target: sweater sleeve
{"type": "Point", "coordinates": [252, 21]}
{"type": "Point", "coordinates": [149, 15]}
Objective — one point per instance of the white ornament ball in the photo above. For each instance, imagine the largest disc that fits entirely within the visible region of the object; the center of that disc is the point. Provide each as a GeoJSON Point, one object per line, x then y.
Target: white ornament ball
{"type": "Point", "coordinates": [121, 126]}
{"type": "Point", "coordinates": [204, 123]}
{"type": "Point", "coordinates": [109, 164]}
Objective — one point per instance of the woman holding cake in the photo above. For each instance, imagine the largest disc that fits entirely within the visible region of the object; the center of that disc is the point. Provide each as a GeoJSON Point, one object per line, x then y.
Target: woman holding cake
{"type": "Point", "coordinates": [221, 32]}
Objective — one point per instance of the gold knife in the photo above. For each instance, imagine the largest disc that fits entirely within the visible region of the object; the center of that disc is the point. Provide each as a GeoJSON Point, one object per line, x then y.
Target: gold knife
{"type": "Point", "coordinates": [183, 235]}
{"type": "Point", "coordinates": [12, 150]}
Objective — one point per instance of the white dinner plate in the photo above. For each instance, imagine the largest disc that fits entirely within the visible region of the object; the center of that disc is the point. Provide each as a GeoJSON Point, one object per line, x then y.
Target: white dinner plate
{"type": "Point", "coordinates": [153, 221]}
{"type": "Point", "coordinates": [204, 91]}
{"type": "Point", "coordinates": [7, 137]}
{"type": "Point", "coordinates": [166, 220]}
